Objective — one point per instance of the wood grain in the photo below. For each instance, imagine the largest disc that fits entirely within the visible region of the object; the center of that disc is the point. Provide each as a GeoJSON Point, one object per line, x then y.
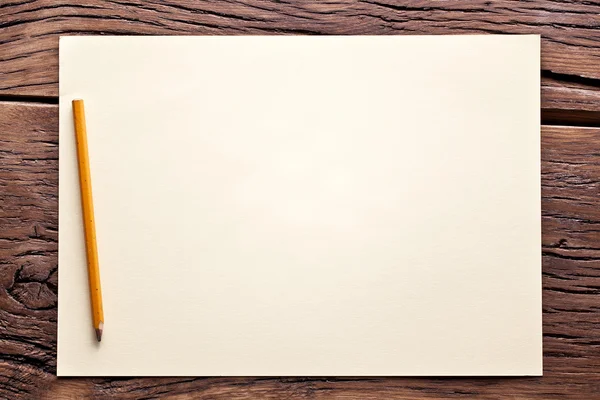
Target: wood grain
{"type": "Point", "coordinates": [28, 247]}
{"type": "Point", "coordinates": [570, 30]}
{"type": "Point", "coordinates": [28, 286]}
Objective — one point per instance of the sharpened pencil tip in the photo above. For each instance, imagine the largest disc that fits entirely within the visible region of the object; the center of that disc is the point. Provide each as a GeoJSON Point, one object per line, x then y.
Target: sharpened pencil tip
{"type": "Point", "coordinates": [99, 331]}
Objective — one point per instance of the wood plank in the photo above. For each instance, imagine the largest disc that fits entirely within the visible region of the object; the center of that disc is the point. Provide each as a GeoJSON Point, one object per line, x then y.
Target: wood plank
{"type": "Point", "coordinates": [28, 247]}
{"type": "Point", "coordinates": [568, 100]}
{"type": "Point", "coordinates": [29, 32]}
{"type": "Point", "coordinates": [28, 286]}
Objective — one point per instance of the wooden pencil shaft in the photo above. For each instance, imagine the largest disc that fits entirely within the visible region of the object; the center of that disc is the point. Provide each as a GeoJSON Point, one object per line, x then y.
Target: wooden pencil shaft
{"type": "Point", "coordinates": [87, 206]}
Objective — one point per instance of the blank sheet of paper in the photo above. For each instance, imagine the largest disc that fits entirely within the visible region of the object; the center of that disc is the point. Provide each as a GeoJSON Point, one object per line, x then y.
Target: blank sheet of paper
{"type": "Point", "coordinates": [304, 205]}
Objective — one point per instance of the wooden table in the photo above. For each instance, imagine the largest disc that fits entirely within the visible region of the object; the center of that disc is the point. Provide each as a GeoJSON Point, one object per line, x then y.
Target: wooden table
{"type": "Point", "coordinates": [570, 70]}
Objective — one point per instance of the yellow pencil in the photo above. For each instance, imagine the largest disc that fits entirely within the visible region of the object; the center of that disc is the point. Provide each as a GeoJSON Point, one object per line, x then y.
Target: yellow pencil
{"type": "Point", "coordinates": [87, 206]}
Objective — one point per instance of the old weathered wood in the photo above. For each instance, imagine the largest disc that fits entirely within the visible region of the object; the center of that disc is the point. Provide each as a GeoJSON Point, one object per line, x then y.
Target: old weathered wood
{"type": "Point", "coordinates": [28, 286]}
{"type": "Point", "coordinates": [28, 246]}
{"type": "Point", "coordinates": [29, 31]}
{"type": "Point", "coordinates": [570, 101]}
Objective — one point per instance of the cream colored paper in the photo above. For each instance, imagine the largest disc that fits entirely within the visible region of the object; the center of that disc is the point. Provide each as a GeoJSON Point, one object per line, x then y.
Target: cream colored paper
{"type": "Point", "coordinates": [304, 205]}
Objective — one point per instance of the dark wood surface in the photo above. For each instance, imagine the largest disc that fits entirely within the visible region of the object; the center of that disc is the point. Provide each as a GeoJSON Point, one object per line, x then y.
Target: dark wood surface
{"type": "Point", "coordinates": [28, 284]}
{"type": "Point", "coordinates": [570, 72]}
{"type": "Point", "coordinates": [570, 32]}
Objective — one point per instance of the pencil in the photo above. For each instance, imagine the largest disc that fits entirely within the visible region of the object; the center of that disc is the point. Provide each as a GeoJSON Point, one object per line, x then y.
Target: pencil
{"type": "Point", "coordinates": [89, 225]}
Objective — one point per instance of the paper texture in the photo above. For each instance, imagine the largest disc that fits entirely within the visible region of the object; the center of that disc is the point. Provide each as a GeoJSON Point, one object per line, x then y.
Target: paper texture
{"type": "Point", "coordinates": [304, 206]}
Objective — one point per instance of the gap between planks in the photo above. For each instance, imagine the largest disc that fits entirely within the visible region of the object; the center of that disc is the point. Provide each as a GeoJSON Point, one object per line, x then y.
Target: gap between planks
{"type": "Point", "coordinates": [557, 117]}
